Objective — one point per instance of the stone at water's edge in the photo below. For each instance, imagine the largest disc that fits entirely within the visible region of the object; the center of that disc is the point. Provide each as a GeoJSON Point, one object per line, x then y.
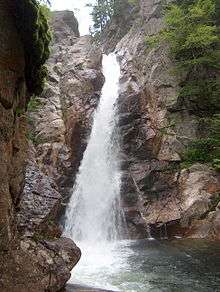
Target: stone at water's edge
{"type": "Point", "coordinates": [38, 266]}
{"type": "Point", "coordinates": [81, 288]}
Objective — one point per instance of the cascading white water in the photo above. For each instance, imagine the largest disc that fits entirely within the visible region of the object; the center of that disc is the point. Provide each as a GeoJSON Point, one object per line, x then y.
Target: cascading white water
{"type": "Point", "coordinates": [93, 214]}
{"type": "Point", "coordinates": [94, 217]}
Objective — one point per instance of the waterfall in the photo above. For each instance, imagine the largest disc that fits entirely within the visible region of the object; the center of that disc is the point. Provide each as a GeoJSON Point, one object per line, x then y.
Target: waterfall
{"type": "Point", "coordinates": [94, 214]}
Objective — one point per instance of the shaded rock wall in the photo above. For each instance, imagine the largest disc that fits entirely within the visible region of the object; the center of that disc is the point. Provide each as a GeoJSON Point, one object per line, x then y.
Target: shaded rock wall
{"type": "Point", "coordinates": [12, 125]}
{"type": "Point", "coordinates": [59, 124]}
{"type": "Point", "coordinates": [26, 264]}
{"type": "Point", "coordinates": [154, 132]}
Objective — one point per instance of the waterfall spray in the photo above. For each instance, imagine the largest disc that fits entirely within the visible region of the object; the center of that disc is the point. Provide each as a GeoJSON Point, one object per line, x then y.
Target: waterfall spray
{"type": "Point", "coordinates": [94, 212]}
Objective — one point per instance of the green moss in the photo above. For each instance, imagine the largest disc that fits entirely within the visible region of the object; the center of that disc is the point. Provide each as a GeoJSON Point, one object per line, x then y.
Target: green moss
{"type": "Point", "coordinates": [216, 164]}
{"type": "Point", "coordinates": [19, 111]}
{"type": "Point", "coordinates": [36, 140]}
{"type": "Point", "coordinates": [35, 34]}
{"type": "Point", "coordinates": [34, 105]}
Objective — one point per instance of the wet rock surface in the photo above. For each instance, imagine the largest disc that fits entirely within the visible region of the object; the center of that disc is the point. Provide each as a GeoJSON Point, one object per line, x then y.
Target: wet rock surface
{"type": "Point", "coordinates": [38, 266]}
{"type": "Point", "coordinates": [13, 145]}
{"type": "Point", "coordinates": [155, 128]}
{"type": "Point", "coordinates": [40, 202]}
{"type": "Point", "coordinates": [33, 257]}
{"type": "Point", "coordinates": [62, 121]}
{"type": "Point", "coordinates": [79, 288]}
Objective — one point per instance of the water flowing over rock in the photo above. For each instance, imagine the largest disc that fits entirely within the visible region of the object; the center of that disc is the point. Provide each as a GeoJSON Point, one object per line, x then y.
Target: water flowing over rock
{"type": "Point", "coordinates": [130, 150]}
{"type": "Point", "coordinates": [154, 130]}
{"type": "Point", "coordinates": [94, 216]}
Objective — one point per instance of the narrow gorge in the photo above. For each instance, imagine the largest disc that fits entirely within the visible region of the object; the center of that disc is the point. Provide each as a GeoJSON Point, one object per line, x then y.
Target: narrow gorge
{"type": "Point", "coordinates": [109, 161]}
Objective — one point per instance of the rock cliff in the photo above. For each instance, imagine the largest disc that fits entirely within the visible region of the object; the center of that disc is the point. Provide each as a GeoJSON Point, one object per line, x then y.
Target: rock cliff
{"type": "Point", "coordinates": [155, 130]}
{"type": "Point", "coordinates": [41, 151]}
{"type": "Point", "coordinates": [59, 124]}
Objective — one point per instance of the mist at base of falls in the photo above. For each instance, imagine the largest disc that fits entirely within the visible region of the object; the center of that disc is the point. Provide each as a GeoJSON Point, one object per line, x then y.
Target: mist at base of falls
{"type": "Point", "coordinates": [94, 214]}
{"type": "Point", "coordinates": [94, 220]}
{"type": "Point", "coordinates": [151, 266]}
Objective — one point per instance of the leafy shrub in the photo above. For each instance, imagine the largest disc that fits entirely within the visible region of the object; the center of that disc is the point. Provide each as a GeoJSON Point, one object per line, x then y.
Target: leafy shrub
{"type": "Point", "coordinates": [216, 164]}
{"type": "Point", "coordinates": [192, 31]}
{"type": "Point", "coordinates": [206, 150]}
{"type": "Point", "coordinates": [201, 150]}
{"type": "Point", "coordinates": [104, 10]}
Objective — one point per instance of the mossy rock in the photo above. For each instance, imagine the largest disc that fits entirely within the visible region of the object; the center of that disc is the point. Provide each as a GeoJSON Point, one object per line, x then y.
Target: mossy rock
{"type": "Point", "coordinates": [35, 34]}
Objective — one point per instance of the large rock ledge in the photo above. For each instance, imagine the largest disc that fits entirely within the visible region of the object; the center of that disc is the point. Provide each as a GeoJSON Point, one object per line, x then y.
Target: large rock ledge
{"type": "Point", "coordinates": [38, 266]}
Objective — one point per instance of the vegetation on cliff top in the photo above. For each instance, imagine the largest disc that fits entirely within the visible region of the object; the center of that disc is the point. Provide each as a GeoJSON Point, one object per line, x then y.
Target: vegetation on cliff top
{"type": "Point", "coordinates": [104, 10]}
{"type": "Point", "coordinates": [32, 25]}
{"type": "Point", "coordinates": [192, 31]}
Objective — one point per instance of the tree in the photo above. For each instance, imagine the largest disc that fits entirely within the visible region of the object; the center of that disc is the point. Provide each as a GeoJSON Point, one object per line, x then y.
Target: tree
{"type": "Point", "coordinates": [104, 10]}
{"type": "Point", "coordinates": [192, 31]}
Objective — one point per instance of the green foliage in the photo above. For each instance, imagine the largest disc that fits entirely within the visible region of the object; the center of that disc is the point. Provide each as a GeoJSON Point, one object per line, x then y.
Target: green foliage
{"type": "Point", "coordinates": [46, 11]}
{"type": "Point", "coordinates": [192, 31]}
{"type": "Point", "coordinates": [36, 140]}
{"type": "Point", "coordinates": [201, 150]}
{"type": "Point", "coordinates": [104, 10]}
{"type": "Point", "coordinates": [216, 164]}
{"type": "Point", "coordinates": [19, 111]}
{"type": "Point", "coordinates": [34, 104]}
{"type": "Point", "coordinates": [206, 150]}
{"type": "Point", "coordinates": [32, 24]}
{"type": "Point", "coordinates": [133, 2]}
{"type": "Point", "coordinates": [193, 36]}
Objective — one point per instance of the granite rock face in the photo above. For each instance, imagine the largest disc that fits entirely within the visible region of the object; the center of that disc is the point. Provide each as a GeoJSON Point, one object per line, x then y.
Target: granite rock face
{"type": "Point", "coordinates": [27, 201]}
{"type": "Point", "coordinates": [62, 121]}
{"type": "Point", "coordinates": [155, 128]}
{"type": "Point", "coordinates": [59, 123]}
{"type": "Point", "coordinates": [13, 144]}
{"type": "Point", "coordinates": [38, 266]}
{"type": "Point", "coordinates": [40, 202]}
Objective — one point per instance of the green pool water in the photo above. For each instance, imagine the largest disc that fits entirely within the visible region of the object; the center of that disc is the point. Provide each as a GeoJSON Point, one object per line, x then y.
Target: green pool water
{"type": "Point", "coordinates": [150, 265]}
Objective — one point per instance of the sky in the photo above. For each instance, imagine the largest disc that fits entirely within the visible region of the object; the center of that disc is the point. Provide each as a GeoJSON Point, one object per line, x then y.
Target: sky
{"type": "Point", "coordinates": [81, 12]}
